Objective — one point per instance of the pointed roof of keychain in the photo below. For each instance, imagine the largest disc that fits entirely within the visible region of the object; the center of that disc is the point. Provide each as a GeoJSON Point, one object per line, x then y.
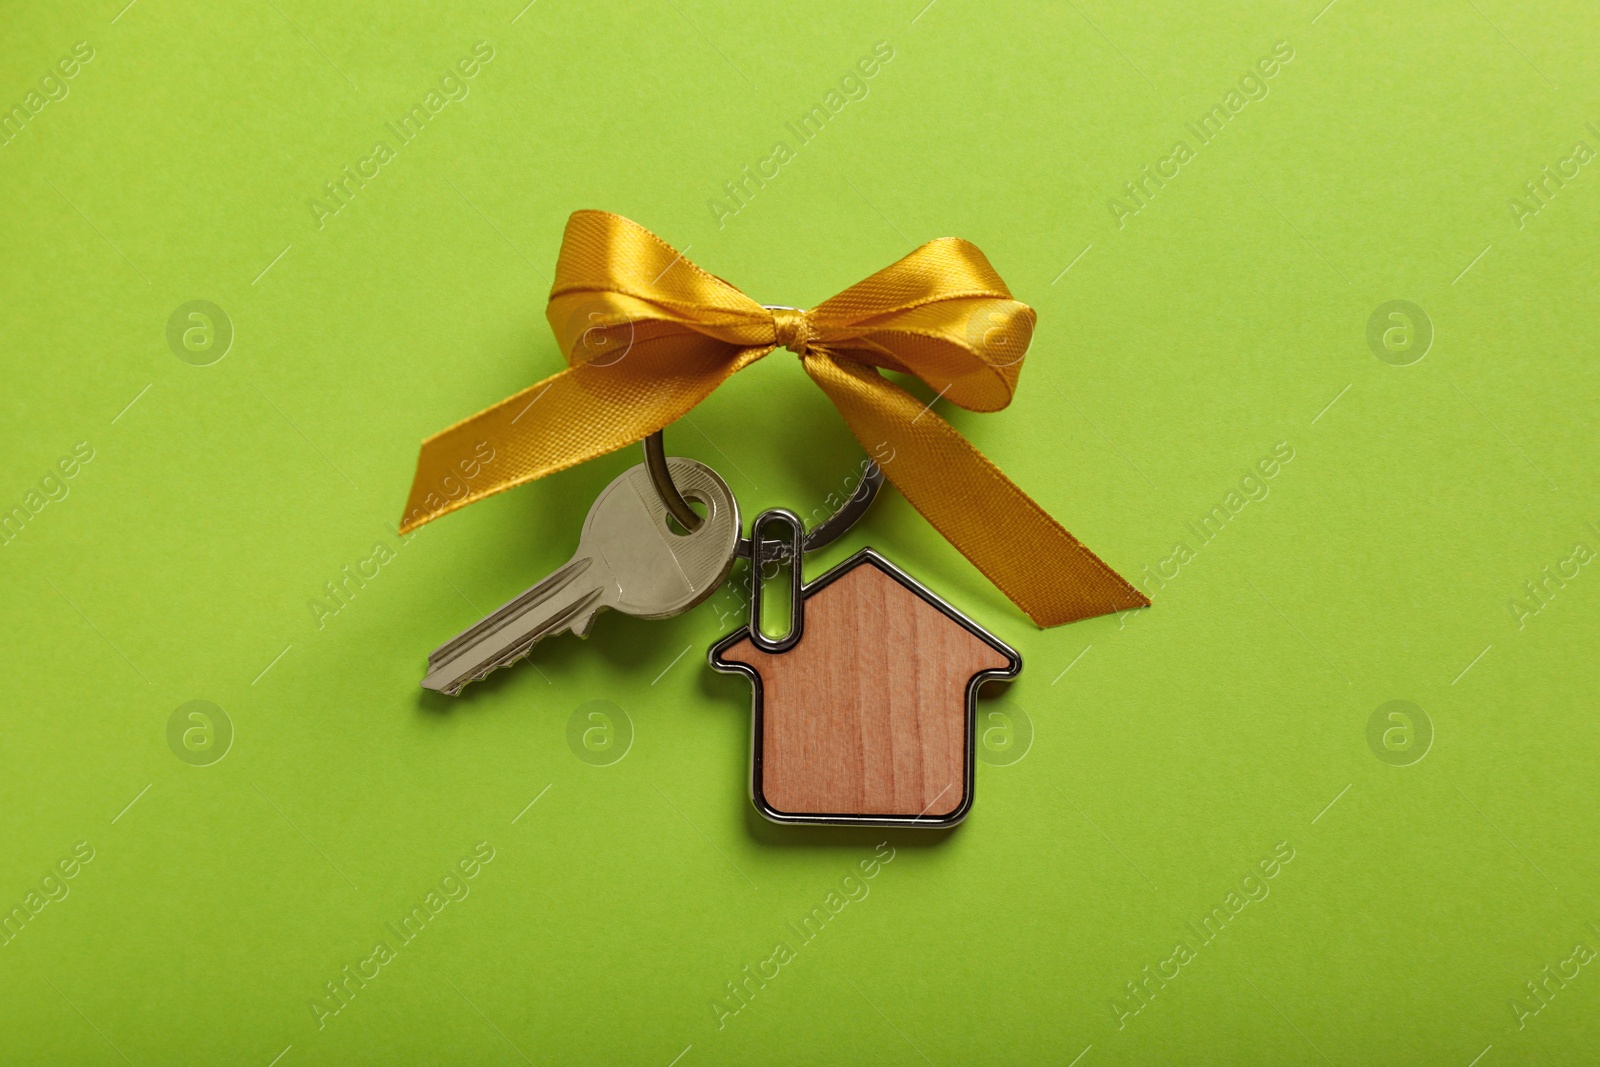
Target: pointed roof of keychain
{"type": "Point", "coordinates": [648, 335]}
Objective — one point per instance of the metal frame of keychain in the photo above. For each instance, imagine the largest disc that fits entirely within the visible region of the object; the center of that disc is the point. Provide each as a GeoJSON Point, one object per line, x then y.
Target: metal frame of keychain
{"type": "Point", "coordinates": [793, 549]}
{"type": "Point", "coordinates": [630, 559]}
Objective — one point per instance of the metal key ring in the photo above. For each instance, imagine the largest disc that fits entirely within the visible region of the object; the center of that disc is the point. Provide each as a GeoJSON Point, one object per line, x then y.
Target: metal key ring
{"type": "Point", "coordinates": [819, 536]}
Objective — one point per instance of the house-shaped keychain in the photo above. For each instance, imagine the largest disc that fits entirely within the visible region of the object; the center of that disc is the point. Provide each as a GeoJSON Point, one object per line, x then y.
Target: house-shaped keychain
{"type": "Point", "coordinates": [865, 711]}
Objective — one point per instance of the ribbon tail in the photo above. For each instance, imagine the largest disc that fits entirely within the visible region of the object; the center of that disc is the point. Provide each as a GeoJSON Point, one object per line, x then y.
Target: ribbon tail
{"type": "Point", "coordinates": [576, 415]}
{"type": "Point", "coordinates": [1045, 571]}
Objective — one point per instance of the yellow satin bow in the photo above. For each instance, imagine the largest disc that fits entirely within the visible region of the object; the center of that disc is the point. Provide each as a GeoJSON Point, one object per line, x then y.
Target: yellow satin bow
{"type": "Point", "coordinates": [648, 335]}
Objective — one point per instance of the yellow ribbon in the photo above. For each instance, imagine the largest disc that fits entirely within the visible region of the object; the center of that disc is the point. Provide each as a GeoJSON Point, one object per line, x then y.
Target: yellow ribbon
{"type": "Point", "coordinates": [648, 335]}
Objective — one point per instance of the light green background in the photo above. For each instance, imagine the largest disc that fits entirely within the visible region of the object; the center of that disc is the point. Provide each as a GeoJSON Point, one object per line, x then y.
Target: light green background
{"type": "Point", "coordinates": [1182, 745]}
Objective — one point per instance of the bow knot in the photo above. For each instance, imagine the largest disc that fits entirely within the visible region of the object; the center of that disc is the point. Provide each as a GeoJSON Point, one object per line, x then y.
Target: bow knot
{"type": "Point", "coordinates": [792, 328]}
{"type": "Point", "coordinates": [669, 333]}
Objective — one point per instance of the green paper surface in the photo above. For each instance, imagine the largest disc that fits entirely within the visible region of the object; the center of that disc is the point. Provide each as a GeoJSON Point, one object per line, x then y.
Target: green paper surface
{"type": "Point", "coordinates": [1427, 534]}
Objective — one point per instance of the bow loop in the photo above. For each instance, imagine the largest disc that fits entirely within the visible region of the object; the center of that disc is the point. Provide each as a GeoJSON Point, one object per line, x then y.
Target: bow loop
{"type": "Point", "coordinates": [941, 313]}
{"type": "Point", "coordinates": [968, 349]}
{"type": "Point", "coordinates": [647, 335]}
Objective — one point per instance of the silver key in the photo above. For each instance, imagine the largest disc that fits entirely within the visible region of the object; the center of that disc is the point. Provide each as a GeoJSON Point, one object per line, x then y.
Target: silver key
{"type": "Point", "coordinates": [627, 559]}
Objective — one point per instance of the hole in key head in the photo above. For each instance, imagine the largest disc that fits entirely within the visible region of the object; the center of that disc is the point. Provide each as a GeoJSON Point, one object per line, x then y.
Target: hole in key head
{"type": "Point", "coordinates": [700, 509]}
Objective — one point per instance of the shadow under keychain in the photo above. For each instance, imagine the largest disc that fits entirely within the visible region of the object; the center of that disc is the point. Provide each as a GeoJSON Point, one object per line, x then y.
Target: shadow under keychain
{"type": "Point", "coordinates": [864, 710]}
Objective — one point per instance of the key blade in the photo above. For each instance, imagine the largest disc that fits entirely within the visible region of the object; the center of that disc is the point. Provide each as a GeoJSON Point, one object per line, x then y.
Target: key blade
{"type": "Point", "coordinates": [518, 605]}
{"type": "Point", "coordinates": [510, 632]}
{"type": "Point", "coordinates": [506, 647]}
